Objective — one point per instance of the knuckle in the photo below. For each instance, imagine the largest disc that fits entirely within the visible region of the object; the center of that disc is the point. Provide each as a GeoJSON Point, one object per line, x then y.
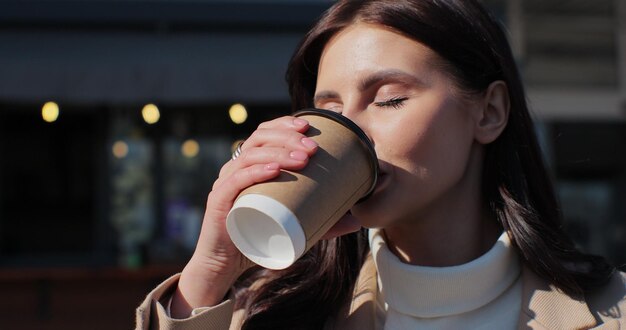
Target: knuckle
{"type": "Point", "coordinates": [216, 184]}
{"type": "Point", "coordinates": [264, 125]}
{"type": "Point", "coordinates": [297, 138]}
{"type": "Point", "coordinates": [251, 171]}
{"type": "Point", "coordinates": [245, 157]}
{"type": "Point", "coordinates": [241, 175]}
{"type": "Point", "coordinates": [224, 169]}
{"type": "Point", "coordinates": [278, 122]}
{"type": "Point", "coordinates": [287, 118]}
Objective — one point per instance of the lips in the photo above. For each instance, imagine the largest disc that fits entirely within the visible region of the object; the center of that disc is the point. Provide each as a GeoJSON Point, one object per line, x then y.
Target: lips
{"type": "Point", "coordinates": [382, 169]}
{"type": "Point", "coordinates": [382, 175]}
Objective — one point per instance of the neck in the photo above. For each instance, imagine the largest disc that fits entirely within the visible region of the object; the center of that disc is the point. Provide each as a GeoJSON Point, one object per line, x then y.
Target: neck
{"type": "Point", "coordinates": [438, 245]}
{"type": "Point", "coordinates": [452, 231]}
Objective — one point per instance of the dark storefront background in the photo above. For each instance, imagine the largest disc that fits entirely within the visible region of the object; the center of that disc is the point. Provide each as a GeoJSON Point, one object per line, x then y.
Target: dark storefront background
{"type": "Point", "coordinates": [105, 187]}
{"type": "Point", "coordinates": [105, 201]}
{"type": "Point", "coordinates": [98, 206]}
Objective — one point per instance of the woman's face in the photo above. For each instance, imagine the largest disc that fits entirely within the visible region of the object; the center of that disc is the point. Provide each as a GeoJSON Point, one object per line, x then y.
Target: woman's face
{"type": "Point", "coordinates": [394, 88]}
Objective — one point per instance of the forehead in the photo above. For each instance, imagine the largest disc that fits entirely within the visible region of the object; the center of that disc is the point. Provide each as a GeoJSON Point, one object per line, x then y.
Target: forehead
{"type": "Point", "coordinates": [362, 48]}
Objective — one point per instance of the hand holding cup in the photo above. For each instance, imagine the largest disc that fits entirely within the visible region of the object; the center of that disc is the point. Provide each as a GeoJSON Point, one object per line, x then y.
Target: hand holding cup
{"type": "Point", "coordinates": [275, 222]}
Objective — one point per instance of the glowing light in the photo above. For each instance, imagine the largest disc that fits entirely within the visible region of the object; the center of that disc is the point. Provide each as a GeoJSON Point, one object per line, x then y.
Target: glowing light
{"type": "Point", "coordinates": [238, 113]}
{"type": "Point", "coordinates": [120, 149]}
{"type": "Point", "coordinates": [150, 113]}
{"type": "Point", "coordinates": [50, 112]}
{"type": "Point", "coordinates": [190, 148]}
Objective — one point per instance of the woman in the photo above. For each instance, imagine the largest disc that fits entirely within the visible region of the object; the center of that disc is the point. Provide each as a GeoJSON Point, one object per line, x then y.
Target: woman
{"type": "Point", "coordinates": [465, 230]}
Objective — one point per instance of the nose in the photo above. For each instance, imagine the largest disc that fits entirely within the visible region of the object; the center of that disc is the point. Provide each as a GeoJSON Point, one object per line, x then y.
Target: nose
{"type": "Point", "coordinates": [352, 112]}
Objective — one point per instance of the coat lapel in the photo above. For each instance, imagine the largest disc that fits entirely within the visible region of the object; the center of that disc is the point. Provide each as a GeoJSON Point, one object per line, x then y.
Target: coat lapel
{"type": "Point", "coordinates": [543, 305]}
{"type": "Point", "coordinates": [361, 313]}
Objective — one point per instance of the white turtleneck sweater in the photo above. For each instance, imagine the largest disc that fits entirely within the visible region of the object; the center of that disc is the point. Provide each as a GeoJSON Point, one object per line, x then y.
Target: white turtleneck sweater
{"type": "Point", "coordinates": [485, 293]}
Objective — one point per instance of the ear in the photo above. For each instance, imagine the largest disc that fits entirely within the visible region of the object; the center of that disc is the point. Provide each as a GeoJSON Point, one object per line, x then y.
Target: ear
{"type": "Point", "coordinates": [494, 114]}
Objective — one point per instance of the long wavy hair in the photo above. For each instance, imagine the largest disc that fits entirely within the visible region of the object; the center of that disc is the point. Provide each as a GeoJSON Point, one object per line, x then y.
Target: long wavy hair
{"type": "Point", "coordinates": [516, 184]}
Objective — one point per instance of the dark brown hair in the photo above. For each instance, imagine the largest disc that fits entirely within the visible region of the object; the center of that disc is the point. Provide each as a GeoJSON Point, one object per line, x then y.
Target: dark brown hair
{"type": "Point", "coordinates": [516, 184]}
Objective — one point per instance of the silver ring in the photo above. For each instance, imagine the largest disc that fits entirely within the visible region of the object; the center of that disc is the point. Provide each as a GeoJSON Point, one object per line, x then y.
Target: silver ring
{"type": "Point", "coordinates": [237, 151]}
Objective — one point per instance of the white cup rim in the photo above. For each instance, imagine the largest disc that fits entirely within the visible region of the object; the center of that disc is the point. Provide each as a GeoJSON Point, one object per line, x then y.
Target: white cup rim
{"type": "Point", "coordinates": [265, 231]}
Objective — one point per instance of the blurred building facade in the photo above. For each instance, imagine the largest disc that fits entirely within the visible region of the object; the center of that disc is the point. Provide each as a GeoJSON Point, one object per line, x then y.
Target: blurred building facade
{"type": "Point", "coordinates": [114, 173]}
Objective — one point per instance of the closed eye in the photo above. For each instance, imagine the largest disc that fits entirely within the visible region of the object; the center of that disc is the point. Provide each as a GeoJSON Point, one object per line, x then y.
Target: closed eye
{"type": "Point", "coordinates": [395, 103]}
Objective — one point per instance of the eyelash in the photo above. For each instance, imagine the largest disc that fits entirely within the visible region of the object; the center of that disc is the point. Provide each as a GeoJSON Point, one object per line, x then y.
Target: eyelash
{"type": "Point", "coordinates": [395, 103]}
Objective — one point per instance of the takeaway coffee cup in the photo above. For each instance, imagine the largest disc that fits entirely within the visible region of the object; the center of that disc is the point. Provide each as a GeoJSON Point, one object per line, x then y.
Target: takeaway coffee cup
{"type": "Point", "coordinates": [273, 223]}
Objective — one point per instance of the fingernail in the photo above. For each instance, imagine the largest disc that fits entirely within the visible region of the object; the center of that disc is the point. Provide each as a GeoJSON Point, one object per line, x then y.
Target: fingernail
{"type": "Point", "coordinates": [309, 143]}
{"type": "Point", "coordinates": [300, 122]}
{"type": "Point", "coordinates": [298, 155]}
{"type": "Point", "coordinates": [271, 166]}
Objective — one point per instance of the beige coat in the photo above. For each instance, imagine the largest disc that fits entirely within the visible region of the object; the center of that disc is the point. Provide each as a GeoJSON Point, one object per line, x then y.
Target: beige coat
{"type": "Point", "coordinates": [543, 307]}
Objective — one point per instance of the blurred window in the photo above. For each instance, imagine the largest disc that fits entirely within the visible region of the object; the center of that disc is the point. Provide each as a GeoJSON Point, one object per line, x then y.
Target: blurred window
{"type": "Point", "coordinates": [570, 43]}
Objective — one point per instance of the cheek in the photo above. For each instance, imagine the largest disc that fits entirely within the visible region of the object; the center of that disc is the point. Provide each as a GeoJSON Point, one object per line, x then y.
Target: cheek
{"type": "Point", "coordinates": [397, 140]}
{"type": "Point", "coordinates": [438, 143]}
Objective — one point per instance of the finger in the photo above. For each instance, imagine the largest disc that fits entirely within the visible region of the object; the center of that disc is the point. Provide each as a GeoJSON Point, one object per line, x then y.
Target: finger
{"type": "Point", "coordinates": [346, 225]}
{"type": "Point", "coordinates": [282, 138]}
{"type": "Point", "coordinates": [287, 132]}
{"type": "Point", "coordinates": [221, 199]}
{"type": "Point", "coordinates": [288, 159]}
{"type": "Point", "coordinates": [286, 122]}
{"type": "Point", "coordinates": [289, 148]}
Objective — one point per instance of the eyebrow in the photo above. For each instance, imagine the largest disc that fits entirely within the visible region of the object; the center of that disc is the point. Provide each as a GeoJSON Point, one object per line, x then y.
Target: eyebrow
{"type": "Point", "coordinates": [388, 75]}
{"type": "Point", "coordinates": [392, 75]}
{"type": "Point", "coordinates": [325, 95]}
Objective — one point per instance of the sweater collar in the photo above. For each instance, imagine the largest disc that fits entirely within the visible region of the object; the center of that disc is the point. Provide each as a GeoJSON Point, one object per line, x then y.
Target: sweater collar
{"type": "Point", "coordinates": [442, 291]}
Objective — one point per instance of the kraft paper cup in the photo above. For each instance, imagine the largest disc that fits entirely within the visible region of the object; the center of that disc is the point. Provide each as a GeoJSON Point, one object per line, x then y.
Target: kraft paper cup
{"type": "Point", "coordinates": [273, 223]}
